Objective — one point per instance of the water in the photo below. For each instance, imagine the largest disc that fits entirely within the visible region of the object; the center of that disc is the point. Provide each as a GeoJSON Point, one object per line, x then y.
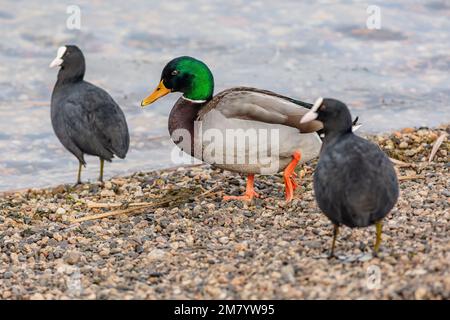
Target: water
{"type": "Point", "coordinates": [396, 77]}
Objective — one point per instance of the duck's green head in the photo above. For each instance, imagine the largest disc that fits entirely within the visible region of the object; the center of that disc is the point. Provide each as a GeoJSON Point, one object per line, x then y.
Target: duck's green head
{"type": "Point", "coordinates": [187, 75]}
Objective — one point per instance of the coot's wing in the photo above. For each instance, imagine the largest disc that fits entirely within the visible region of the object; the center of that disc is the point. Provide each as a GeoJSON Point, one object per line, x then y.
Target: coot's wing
{"type": "Point", "coordinates": [329, 184]}
{"type": "Point", "coordinates": [110, 124]}
{"type": "Point", "coordinates": [373, 189]}
{"type": "Point", "coordinates": [80, 127]}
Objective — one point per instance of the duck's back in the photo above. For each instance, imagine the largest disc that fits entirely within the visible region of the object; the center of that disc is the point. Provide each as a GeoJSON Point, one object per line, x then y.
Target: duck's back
{"type": "Point", "coordinates": [87, 120]}
{"type": "Point", "coordinates": [260, 131]}
{"type": "Point", "coordinates": [354, 182]}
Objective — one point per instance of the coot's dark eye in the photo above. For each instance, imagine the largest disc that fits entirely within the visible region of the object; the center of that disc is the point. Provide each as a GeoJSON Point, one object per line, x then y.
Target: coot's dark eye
{"type": "Point", "coordinates": [175, 72]}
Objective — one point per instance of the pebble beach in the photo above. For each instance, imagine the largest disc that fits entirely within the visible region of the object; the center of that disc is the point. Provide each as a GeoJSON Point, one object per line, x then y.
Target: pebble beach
{"type": "Point", "coordinates": [167, 234]}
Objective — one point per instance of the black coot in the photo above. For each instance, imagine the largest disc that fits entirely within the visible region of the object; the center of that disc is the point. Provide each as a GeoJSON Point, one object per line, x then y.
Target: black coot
{"type": "Point", "coordinates": [355, 183]}
{"type": "Point", "coordinates": [84, 117]}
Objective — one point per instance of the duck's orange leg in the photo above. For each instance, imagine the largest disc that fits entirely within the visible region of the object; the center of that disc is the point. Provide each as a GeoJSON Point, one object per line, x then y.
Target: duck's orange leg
{"type": "Point", "coordinates": [249, 191]}
{"type": "Point", "coordinates": [288, 176]}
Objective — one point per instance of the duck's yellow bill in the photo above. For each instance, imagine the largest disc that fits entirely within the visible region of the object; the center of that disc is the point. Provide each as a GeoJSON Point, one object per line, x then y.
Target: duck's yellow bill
{"type": "Point", "coordinates": [159, 92]}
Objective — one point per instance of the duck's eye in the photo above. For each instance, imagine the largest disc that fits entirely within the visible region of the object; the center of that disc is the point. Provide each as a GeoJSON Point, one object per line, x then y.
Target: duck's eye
{"type": "Point", "coordinates": [175, 72]}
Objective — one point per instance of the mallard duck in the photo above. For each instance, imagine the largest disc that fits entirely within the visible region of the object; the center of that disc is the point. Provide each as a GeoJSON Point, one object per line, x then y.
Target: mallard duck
{"type": "Point", "coordinates": [84, 117]}
{"type": "Point", "coordinates": [355, 183]}
{"type": "Point", "coordinates": [243, 113]}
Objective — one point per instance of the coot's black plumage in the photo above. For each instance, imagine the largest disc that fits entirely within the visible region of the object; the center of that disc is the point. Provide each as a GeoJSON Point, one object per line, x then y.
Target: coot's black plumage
{"type": "Point", "coordinates": [84, 117]}
{"type": "Point", "coordinates": [355, 183]}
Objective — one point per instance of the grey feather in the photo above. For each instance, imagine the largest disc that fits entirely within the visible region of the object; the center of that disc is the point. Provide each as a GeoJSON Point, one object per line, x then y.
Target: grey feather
{"type": "Point", "coordinates": [354, 182]}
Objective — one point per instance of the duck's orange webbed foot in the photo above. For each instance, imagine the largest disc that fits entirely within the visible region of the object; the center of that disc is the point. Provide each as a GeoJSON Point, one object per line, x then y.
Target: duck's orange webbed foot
{"type": "Point", "coordinates": [249, 194]}
{"type": "Point", "coordinates": [289, 175]}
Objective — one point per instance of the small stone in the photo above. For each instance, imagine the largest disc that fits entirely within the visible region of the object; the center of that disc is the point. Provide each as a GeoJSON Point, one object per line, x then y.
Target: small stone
{"type": "Point", "coordinates": [403, 145]}
{"type": "Point", "coordinates": [14, 258]}
{"type": "Point", "coordinates": [57, 237]}
{"type": "Point", "coordinates": [104, 252]}
{"type": "Point", "coordinates": [157, 254]}
{"type": "Point", "coordinates": [224, 240]}
{"type": "Point", "coordinates": [61, 211]}
{"type": "Point", "coordinates": [241, 247]}
{"type": "Point", "coordinates": [288, 273]}
{"type": "Point", "coordinates": [197, 210]}
{"type": "Point", "coordinates": [36, 296]}
{"type": "Point", "coordinates": [366, 257]}
{"type": "Point", "coordinates": [420, 293]}
{"type": "Point", "coordinates": [407, 130]}
{"type": "Point", "coordinates": [446, 193]}
{"type": "Point", "coordinates": [107, 193]}
{"type": "Point", "coordinates": [108, 185]}
{"type": "Point", "coordinates": [313, 244]}
{"type": "Point", "coordinates": [139, 193]}
{"type": "Point", "coordinates": [73, 257]}
{"type": "Point", "coordinates": [248, 214]}
{"type": "Point", "coordinates": [164, 223]}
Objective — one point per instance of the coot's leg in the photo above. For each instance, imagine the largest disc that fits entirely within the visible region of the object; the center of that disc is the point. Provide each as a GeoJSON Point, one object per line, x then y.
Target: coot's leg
{"type": "Point", "coordinates": [102, 164]}
{"type": "Point", "coordinates": [79, 173]}
{"type": "Point", "coordinates": [289, 181]}
{"type": "Point", "coordinates": [333, 244]}
{"type": "Point", "coordinates": [249, 191]}
{"type": "Point", "coordinates": [379, 226]}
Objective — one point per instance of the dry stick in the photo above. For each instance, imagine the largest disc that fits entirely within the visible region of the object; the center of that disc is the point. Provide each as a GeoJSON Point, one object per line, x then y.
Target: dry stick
{"type": "Point", "coordinates": [139, 204]}
{"type": "Point", "coordinates": [122, 211]}
{"type": "Point", "coordinates": [410, 177]}
{"type": "Point", "coordinates": [207, 192]}
{"type": "Point", "coordinates": [98, 205]}
{"type": "Point", "coordinates": [436, 146]}
{"type": "Point", "coordinates": [135, 207]}
{"type": "Point", "coordinates": [101, 205]}
{"type": "Point", "coordinates": [401, 163]}
{"type": "Point", "coordinates": [103, 215]}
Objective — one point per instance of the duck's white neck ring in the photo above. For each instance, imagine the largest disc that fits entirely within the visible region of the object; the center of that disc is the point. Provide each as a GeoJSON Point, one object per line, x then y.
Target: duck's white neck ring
{"type": "Point", "coordinates": [193, 101]}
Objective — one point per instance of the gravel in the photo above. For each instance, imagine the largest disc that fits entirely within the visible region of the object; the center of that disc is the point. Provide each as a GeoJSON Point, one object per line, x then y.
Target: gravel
{"type": "Point", "coordinates": [188, 243]}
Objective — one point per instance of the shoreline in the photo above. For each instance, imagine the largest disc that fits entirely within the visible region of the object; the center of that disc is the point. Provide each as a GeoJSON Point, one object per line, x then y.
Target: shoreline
{"type": "Point", "coordinates": [167, 234]}
{"type": "Point", "coordinates": [370, 135]}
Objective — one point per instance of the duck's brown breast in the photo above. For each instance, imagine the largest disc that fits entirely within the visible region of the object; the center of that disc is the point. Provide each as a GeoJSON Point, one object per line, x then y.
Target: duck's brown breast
{"type": "Point", "coordinates": [181, 123]}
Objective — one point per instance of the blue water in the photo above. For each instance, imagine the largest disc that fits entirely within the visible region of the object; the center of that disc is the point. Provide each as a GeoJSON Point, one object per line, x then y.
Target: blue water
{"type": "Point", "coordinates": [395, 77]}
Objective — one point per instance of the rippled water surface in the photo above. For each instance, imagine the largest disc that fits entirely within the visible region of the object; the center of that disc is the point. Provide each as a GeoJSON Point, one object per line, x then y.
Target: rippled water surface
{"type": "Point", "coordinates": [395, 77]}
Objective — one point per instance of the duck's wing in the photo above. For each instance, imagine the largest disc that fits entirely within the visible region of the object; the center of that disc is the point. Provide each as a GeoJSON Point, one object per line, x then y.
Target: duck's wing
{"type": "Point", "coordinates": [261, 105]}
{"type": "Point", "coordinates": [96, 123]}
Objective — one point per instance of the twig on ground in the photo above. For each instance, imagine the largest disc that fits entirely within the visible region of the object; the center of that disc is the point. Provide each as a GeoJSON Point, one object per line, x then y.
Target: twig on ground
{"type": "Point", "coordinates": [410, 177]}
{"type": "Point", "coordinates": [207, 192]}
{"type": "Point", "coordinates": [135, 207]}
{"type": "Point", "coordinates": [436, 146]}
{"type": "Point", "coordinates": [399, 163]}
{"type": "Point", "coordinates": [99, 205]}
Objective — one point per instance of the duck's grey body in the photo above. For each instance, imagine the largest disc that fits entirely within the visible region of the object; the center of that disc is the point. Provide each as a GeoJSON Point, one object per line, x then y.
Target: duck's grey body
{"type": "Point", "coordinates": [259, 131]}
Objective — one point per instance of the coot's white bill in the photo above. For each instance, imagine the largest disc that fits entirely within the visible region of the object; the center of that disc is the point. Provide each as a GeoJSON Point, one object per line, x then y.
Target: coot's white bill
{"type": "Point", "coordinates": [58, 60]}
{"type": "Point", "coordinates": [312, 114]}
